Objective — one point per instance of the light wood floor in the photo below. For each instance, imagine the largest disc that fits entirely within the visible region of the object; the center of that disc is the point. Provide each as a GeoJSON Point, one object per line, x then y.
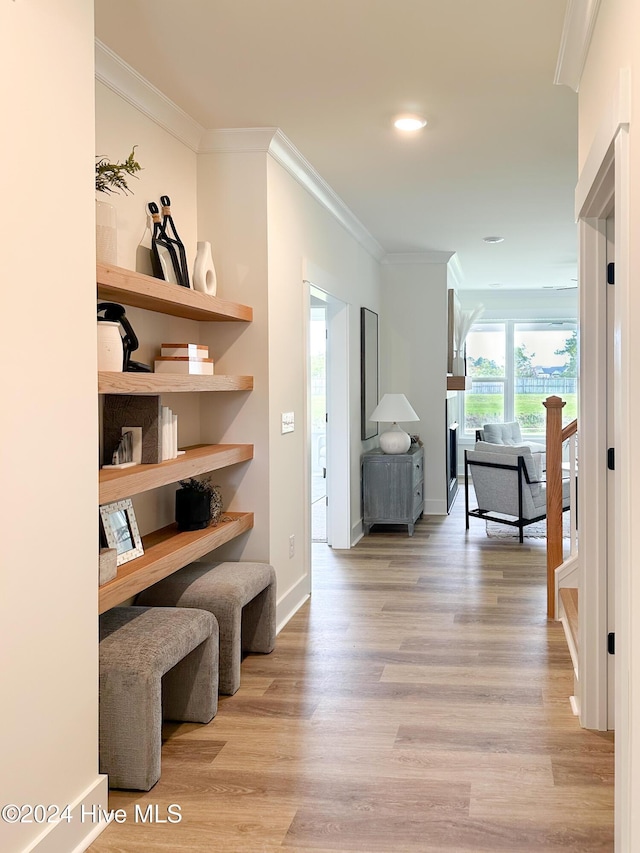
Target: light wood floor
{"type": "Point", "coordinates": [419, 702]}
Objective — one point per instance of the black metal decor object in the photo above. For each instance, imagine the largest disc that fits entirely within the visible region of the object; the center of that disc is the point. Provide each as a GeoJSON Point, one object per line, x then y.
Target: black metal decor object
{"type": "Point", "coordinates": [164, 259]}
{"type": "Point", "coordinates": [172, 235]}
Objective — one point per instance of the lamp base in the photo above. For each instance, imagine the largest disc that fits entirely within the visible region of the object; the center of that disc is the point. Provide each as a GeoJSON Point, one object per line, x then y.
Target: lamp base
{"type": "Point", "coordinates": [395, 440]}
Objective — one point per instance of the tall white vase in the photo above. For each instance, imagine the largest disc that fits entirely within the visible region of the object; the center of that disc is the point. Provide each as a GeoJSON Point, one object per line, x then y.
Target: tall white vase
{"type": "Point", "coordinates": [106, 233]}
{"type": "Point", "coordinates": [204, 272]}
{"type": "Point", "coordinates": [110, 349]}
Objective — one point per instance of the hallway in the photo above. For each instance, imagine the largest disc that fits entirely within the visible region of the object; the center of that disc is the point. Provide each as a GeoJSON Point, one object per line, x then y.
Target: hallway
{"type": "Point", "coordinates": [419, 702]}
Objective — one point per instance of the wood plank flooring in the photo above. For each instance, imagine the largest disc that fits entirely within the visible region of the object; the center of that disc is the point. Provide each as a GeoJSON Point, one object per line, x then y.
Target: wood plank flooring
{"type": "Point", "coordinates": [419, 702]}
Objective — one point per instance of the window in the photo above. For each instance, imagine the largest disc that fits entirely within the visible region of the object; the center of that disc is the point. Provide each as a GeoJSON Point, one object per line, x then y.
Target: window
{"type": "Point", "coordinates": [514, 367]}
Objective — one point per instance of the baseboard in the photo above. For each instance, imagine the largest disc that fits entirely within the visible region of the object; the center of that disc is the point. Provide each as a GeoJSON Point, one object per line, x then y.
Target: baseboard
{"type": "Point", "coordinates": [357, 532]}
{"type": "Point", "coordinates": [77, 834]}
{"type": "Point", "coordinates": [291, 602]}
{"type": "Point", "coordinates": [435, 506]}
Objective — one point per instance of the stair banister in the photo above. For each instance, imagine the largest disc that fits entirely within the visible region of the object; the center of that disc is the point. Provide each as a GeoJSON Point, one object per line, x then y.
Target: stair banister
{"type": "Point", "coordinates": [554, 406]}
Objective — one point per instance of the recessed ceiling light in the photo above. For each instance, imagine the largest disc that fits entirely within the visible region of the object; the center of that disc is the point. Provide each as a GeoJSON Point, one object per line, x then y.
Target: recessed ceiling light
{"type": "Point", "coordinates": [493, 239]}
{"type": "Point", "coordinates": [410, 122]}
{"type": "Point", "coordinates": [495, 284]}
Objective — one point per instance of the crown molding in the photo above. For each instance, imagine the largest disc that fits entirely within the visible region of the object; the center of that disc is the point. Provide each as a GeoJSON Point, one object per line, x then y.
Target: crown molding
{"type": "Point", "coordinates": [579, 22]}
{"type": "Point", "coordinates": [237, 140]}
{"type": "Point", "coordinates": [456, 272]}
{"type": "Point", "coordinates": [285, 153]}
{"type": "Point", "coordinates": [121, 78]}
{"type": "Point", "coordinates": [274, 142]}
{"type": "Point", "coordinates": [125, 81]}
{"type": "Point", "coordinates": [434, 257]}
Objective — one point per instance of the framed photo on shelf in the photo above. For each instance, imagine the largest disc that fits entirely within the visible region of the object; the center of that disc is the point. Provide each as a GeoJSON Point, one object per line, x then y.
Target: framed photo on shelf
{"type": "Point", "coordinates": [120, 530]}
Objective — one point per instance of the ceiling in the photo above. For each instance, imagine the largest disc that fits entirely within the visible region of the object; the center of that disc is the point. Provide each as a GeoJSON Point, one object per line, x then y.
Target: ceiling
{"type": "Point", "coordinates": [498, 155]}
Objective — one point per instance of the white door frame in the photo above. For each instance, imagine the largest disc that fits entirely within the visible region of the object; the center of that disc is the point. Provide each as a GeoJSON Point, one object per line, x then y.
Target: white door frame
{"type": "Point", "coordinates": [338, 426]}
{"type": "Point", "coordinates": [605, 178]}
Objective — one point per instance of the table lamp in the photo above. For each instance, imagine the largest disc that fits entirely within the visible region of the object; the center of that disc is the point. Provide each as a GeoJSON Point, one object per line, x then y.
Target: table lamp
{"type": "Point", "coordinates": [391, 409]}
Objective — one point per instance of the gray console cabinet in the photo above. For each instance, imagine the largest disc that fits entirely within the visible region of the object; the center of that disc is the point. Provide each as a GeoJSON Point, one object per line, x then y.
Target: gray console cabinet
{"type": "Point", "coordinates": [392, 487]}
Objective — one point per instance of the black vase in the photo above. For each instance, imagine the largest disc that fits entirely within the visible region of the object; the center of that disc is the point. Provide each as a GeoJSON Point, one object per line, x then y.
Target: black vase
{"type": "Point", "coordinates": [193, 509]}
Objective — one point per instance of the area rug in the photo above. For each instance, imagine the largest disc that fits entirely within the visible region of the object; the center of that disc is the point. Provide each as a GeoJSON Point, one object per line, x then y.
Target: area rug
{"type": "Point", "coordinates": [537, 530]}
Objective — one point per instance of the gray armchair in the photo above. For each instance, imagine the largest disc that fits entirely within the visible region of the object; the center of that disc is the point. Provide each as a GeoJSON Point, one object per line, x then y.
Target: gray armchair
{"type": "Point", "coordinates": [508, 485]}
{"type": "Point", "coordinates": [509, 434]}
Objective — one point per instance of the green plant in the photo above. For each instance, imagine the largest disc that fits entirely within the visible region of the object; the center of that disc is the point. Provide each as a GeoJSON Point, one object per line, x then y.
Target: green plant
{"type": "Point", "coordinates": [198, 485]}
{"type": "Point", "coordinates": [112, 177]}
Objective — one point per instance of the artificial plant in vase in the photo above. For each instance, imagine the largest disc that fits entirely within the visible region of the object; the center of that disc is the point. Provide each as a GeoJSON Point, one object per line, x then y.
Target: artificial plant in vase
{"type": "Point", "coordinates": [111, 178]}
{"type": "Point", "coordinates": [198, 504]}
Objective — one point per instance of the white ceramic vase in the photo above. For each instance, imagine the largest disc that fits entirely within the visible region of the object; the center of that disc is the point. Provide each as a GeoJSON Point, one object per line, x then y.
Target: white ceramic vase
{"type": "Point", "coordinates": [204, 272]}
{"type": "Point", "coordinates": [110, 349]}
{"type": "Point", "coordinates": [459, 363]}
{"type": "Point", "coordinates": [106, 233]}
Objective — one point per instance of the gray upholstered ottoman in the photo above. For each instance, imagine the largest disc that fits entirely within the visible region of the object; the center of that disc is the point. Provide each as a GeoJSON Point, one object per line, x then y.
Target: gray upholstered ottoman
{"type": "Point", "coordinates": [154, 662]}
{"type": "Point", "coordinates": [242, 597]}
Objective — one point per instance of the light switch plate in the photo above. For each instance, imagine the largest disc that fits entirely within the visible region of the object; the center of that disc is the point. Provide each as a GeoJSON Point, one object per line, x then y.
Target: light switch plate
{"type": "Point", "coordinates": [287, 422]}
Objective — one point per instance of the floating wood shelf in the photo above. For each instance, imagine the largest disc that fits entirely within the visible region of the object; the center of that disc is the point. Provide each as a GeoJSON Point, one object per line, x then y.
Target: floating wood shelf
{"type": "Point", "coordinates": [458, 383]}
{"type": "Point", "coordinates": [118, 483]}
{"type": "Point", "coordinates": [116, 284]}
{"type": "Point", "coordinates": [166, 551]}
{"type": "Point", "coordinates": [164, 383]}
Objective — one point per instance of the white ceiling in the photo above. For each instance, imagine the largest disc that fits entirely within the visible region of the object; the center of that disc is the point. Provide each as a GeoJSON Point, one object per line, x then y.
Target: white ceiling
{"type": "Point", "coordinates": [499, 153]}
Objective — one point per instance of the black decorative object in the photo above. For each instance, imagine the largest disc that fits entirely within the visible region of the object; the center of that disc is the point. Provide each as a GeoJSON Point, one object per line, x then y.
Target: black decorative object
{"type": "Point", "coordinates": [198, 504]}
{"type": "Point", "coordinates": [164, 259]}
{"type": "Point", "coordinates": [116, 313]}
{"type": "Point", "coordinates": [193, 509]}
{"type": "Point", "coordinates": [172, 236]}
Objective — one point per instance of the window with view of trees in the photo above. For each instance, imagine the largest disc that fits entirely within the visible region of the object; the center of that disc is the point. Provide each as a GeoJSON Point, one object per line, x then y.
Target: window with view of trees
{"type": "Point", "coordinates": [514, 366]}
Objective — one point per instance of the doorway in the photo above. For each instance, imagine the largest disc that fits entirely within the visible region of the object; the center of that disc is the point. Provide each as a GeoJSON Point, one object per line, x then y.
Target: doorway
{"type": "Point", "coordinates": [318, 416]}
{"type": "Point", "coordinates": [329, 443]}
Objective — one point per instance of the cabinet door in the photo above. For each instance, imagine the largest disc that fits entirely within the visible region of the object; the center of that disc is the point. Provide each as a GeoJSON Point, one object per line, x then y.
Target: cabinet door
{"type": "Point", "coordinates": [387, 489]}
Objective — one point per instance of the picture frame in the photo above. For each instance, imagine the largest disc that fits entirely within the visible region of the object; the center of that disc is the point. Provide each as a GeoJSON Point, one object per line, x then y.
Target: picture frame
{"type": "Point", "coordinates": [368, 371]}
{"type": "Point", "coordinates": [120, 530]}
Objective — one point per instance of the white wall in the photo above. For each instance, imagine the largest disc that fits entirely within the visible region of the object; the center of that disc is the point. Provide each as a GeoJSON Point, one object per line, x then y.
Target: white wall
{"type": "Point", "coordinates": [49, 573]}
{"type": "Point", "coordinates": [265, 228]}
{"type": "Point", "coordinates": [616, 45]}
{"type": "Point", "coordinates": [531, 305]}
{"type": "Point", "coordinates": [414, 343]}
{"type": "Point", "coordinates": [305, 240]}
{"type": "Point", "coordinates": [232, 216]}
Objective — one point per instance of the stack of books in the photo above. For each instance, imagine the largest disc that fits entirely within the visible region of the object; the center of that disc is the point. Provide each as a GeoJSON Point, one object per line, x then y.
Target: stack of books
{"type": "Point", "coordinates": [184, 358]}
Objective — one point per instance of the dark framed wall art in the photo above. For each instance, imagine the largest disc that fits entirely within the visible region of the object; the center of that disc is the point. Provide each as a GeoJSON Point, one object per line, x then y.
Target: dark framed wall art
{"type": "Point", "coordinates": [368, 371]}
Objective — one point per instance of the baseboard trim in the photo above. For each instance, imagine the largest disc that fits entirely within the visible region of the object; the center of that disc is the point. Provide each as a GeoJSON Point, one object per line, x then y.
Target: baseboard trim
{"type": "Point", "coordinates": [435, 506]}
{"type": "Point", "coordinates": [291, 602]}
{"type": "Point", "coordinates": [76, 835]}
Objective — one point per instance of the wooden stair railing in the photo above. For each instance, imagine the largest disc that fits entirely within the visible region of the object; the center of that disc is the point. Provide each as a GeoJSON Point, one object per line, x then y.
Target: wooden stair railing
{"type": "Point", "coordinates": [556, 435]}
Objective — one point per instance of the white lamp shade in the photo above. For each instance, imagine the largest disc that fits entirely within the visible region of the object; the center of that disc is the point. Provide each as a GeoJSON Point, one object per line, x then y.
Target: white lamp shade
{"type": "Point", "coordinates": [393, 408]}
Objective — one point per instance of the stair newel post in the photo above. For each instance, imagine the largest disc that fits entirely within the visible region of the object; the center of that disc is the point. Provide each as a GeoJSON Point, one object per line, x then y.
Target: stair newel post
{"type": "Point", "coordinates": [554, 406]}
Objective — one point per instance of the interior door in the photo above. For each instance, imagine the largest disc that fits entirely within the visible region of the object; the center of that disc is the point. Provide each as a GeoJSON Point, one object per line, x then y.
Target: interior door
{"type": "Point", "coordinates": [611, 502]}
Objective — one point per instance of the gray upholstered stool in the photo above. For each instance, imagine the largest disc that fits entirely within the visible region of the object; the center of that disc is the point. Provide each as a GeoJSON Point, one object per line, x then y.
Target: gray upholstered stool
{"type": "Point", "coordinates": [154, 662]}
{"type": "Point", "coordinates": [242, 597]}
